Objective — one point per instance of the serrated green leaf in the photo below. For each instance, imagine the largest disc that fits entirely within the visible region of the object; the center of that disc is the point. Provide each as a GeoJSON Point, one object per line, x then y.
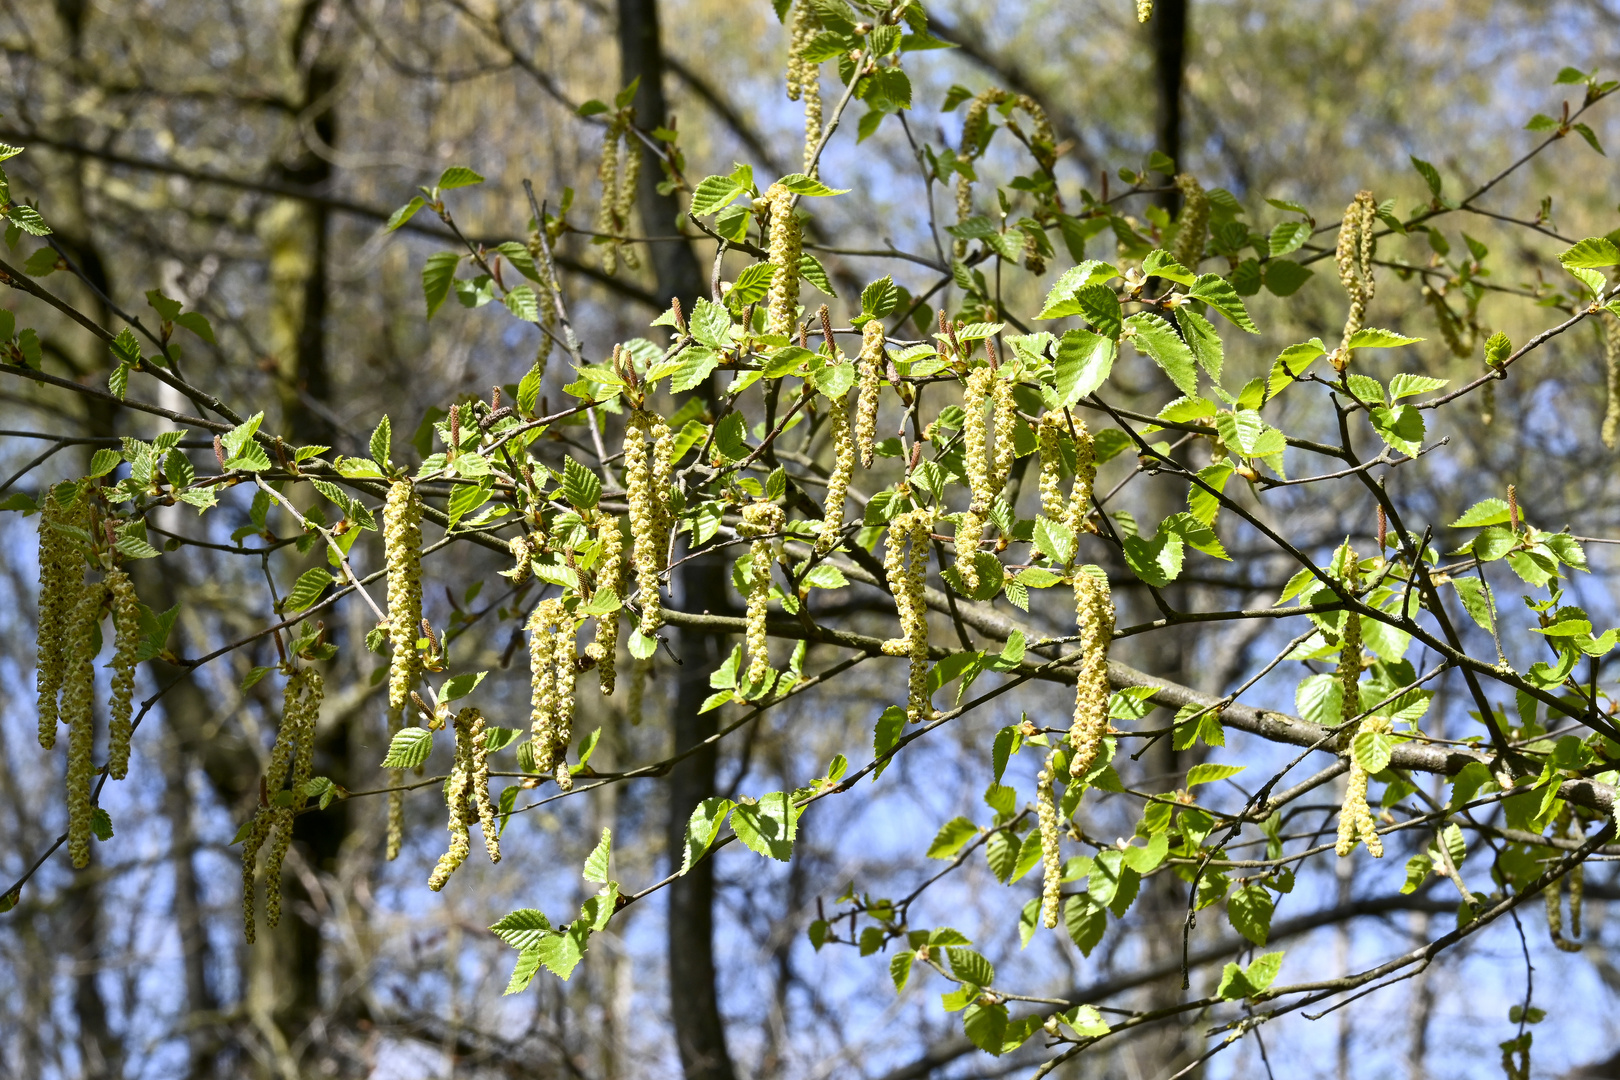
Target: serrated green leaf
{"type": "Point", "coordinates": [1160, 342]}
{"type": "Point", "coordinates": [1219, 294]}
{"type": "Point", "coordinates": [307, 589]}
{"type": "Point", "coordinates": [596, 863]}
{"type": "Point", "coordinates": [458, 176]}
{"type": "Point", "coordinates": [409, 748]}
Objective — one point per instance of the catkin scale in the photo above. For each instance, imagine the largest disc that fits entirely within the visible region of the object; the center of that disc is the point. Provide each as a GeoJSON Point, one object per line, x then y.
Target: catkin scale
{"type": "Point", "coordinates": [402, 550]}
{"type": "Point", "coordinates": [1094, 620]}
{"type": "Point", "coordinates": [126, 618]}
{"type": "Point", "coordinates": [1051, 854]}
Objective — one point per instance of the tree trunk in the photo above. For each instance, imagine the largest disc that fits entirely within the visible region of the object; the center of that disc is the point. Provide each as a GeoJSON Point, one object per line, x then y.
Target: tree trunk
{"type": "Point", "coordinates": [1169, 28]}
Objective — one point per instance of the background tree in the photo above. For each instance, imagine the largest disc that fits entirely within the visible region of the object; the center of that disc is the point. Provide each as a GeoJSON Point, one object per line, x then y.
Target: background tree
{"type": "Point", "coordinates": [240, 161]}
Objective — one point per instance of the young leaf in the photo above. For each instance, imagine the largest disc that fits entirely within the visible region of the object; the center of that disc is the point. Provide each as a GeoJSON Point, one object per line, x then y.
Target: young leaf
{"type": "Point", "coordinates": [409, 748]}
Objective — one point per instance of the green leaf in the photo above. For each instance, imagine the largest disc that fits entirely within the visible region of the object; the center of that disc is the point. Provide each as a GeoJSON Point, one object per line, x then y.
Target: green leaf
{"type": "Point", "coordinates": [1484, 512]}
{"type": "Point", "coordinates": [404, 214]}
{"type": "Point", "coordinates": [1160, 263]}
{"type": "Point", "coordinates": [1372, 750]}
{"type": "Point", "coordinates": [522, 303]}
{"type": "Point", "coordinates": [522, 928]}
{"type": "Point", "coordinates": [1287, 236]}
{"type": "Point", "coordinates": [1158, 560]}
{"type": "Point", "coordinates": [596, 863]}
{"type": "Point", "coordinates": [713, 193]}
{"type": "Point", "coordinates": [409, 748]}
{"type": "Point", "coordinates": [702, 827]}
{"type": "Point", "coordinates": [986, 1027]}
{"type": "Point", "coordinates": [1085, 919]}
{"type": "Point", "coordinates": [27, 219]}
{"type": "Point", "coordinates": [580, 486]}
{"type": "Point", "coordinates": [1285, 277]}
{"type": "Point", "coordinates": [1084, 361]}
{"type": "Point", "coordinates": [768, 826]}
{"type": "Point", "coordinates": [459, 686]}
{"type": "Point", "coordinates": [1204, 342]}
{"type": "Point", "coordinates": [382, 438]}
{"type": "Point", "coordinates": [1430, 175]}
{"type": "Point", "coordinates": [1208, 772]}
{"type": "Point", "coordinates": [1100, 307]}
{"type": "Point", "coordinates": [1401, 427]}
{"type": "Point", "coordinates": [1159, 340]}
{"type": "Point", "coordinates": [950, 838]}
{"type": "Point", "coordinates": [1477, 601]}
{"type": "Point", "coordinates": [1404, 385]}
{"type": "Point", "coordinates": [1593, 253]}
{"type": "Point", "coordinates": [1055, 540]}
{"type": "Point", "coordinates": [104, 461]}
{"type": "Point", "coordinates": [971, 967]}
{"type": "Point", "coordinates": [1249, 910]}
{"type": "Point", "coordinates": [1373, 338]}
{"type": "Point", "coordinates": [101, 824]}
{"type": "Point", "coordinates": [437, 274]}
{"type": "Point", "coordinates": [1219, 294]}
{"type": "Point", "coordinates": [811, 270]}
{"type": "Point", "coordinates": [1320, 699]}
{"type": "Point", "coordinates": [308, 588]}
{"type": "Point", "coordinates": [800, 184]}
{"type": "Point", "coordinates": [458, 176]}
{"type": "Point", "coordinates": [751, 285]}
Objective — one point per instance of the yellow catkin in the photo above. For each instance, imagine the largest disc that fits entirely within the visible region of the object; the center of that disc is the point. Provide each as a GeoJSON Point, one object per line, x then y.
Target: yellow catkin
{"type": "Point", "coordinates": [870, 375]}
{"type": "Point", "coordinates": [625, 198]}
{"type": "Point", "coordinates": [61, 575]}
{"type": "Point", "coordinates": [478, 733]}
{"type": "Point", "coordinates": [1349, 671]}
{"type": "Point", "coordinates": [1051, 855]}
{"type": "Point", "coordinates": [1144, 10]}
{"type": "Point", "coordinates": [646, 481]}
{"type": "Point", "coordinates": [522, 552]}
{"type": "Point", "coordinates": [566, 671]}
{"type": "Point", "coordinates": [1005, 410]}
{"type": "Point", "coordinates": [402, 550]}
{"type": "Point", "coordinates": [604, 650]}
{"type": "Point", "coordinates": [1085, 477]}
{"type": "Point", "coordinates": [801, 30]}
{"type": "Point", "coordinates": [1611, 360]}
{"type": "Point", "coordinates": [812, 117]}
{"type": "Point", "coordinates": [1353, 255]}
{"type": "Point", "coordinates": [1094, 621]}
{"type": "Point", "coordinates": [905, 564]}
{"type": "Point", "coordinates": [78, 712]}
{"type": "Point", "coordinates": [976, 462]}
{"type": "Point", "coordinates": [760, 520]}
{"type": "Point", "coordinates": [300, 710]}
{"type": "Point", "coordinates": [1355, 819]}
{"type": "Point", "coordinates": [843, 440]}
{"type": "Point", "coordinates": [607, 172]}
{"type": "Point", "coordinates": [1189, 246]}
{"type": "Point", "coordinates": [782, 304]}
{"type": "Point", "coordinates": [545, 624]}
{"type": "Point", "coordinates": [976, 136]}
{"type": "Point", "coordinates": [1048, 443]}
{"type": "Point", "coordinates": [458, 802]}
{"type": "Point", "coordinates": [634, 700]}
{"type": "Point", "coordinates": [126, 613]}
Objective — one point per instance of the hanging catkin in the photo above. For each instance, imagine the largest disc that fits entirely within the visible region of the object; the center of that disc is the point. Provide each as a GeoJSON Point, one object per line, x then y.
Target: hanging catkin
{"type": "Point", "coordinates": [618, 173]}
{"type": "Point", "coordinates": [760, 520]}
{"type": "Point", "coordinates": [804, 78]}
{"type": "Point", "coordinates": [1611, 360]}
{"type": "Point", "coordinates": [604, 650]}
{"type": "Point", "coordinates": [288, 767]}
{"type": "Point", "coordinates": [782, 304]}
{"type": "Point", "coordinates": [1144, 10]}
{"type": "Point", "coordinates": [466, 796]}
{"type": "Point", "coordinates": [1070, 511]}
{"type": "Point", "coordinates": [1355, 819]}
{"type": "Point", "coordinates": [1189, 246]}
{"type": "Point", "coordinates": [976, 134]}
{"type": "Point", "coordinates": [870, 375]}
{"type": "Point", "coordinates": [545, 625]}
{"type": "Point", "coordinates": [61, 577]}
{"type": "Point", "coordinates": [976, 463]}
{"type": "Point", "coordinates": [478, 734]}
{"type": "Point", "coordinates": [402, 550]}
{"type": "Point", "coordinates": [1353, 255]}
{"type": "Point", "coordinates": [1051, 855]}
{"type": "Point", "coordinates": [1094, 620]}
{"type": "Point", "coordinates": [126, 618]}
{"type": "Point", "coordinates": [567, 670]}
{"type": "Point", "coordinates": [646, 481]}
{"type": "Point", "coordinates": [78, 712]}
{"type": "Point", "coordinates": [905, 564]}
{"type": "Point", "coordinates": [843, 440]}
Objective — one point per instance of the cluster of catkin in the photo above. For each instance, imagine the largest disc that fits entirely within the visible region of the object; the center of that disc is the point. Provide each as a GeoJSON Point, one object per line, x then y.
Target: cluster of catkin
{"type": "Point", "coordinates": [1051, 855]}
{"type": "Point", "coordinates": [618, 172]}
{"type": "Point", "coordinates": [804, 78]}
{"type": "Point", "coordinates": [1355, 818]}
{"type": "Point", "coordinates": [1094, 623]}
{"type": "Point", "coordinates": [402, 550]}
{"type": "Point", "coordinates": [553, 667]}
{"type": "Point", "coordinates": [466, 795]}
{"type": "Point", "coordinates": [976, 137]}
{"type": "Point", "coordinates": [1144, 10]}
{"type": "Point", "coordinates": [604, 649]}
{"type": "Point", "coordinates": [290, 764]}
{"type": "Point", "coordinates": [1189, 246]}
{"type": "Point", "coordinates": [1073, 509]}
{"type": "Point", "coordinates": [761, 521]}
{"type": "Point", "coordinates": [987, 470]}
{"type": "Point", "coordinates": [70, 613]}
{"type": "Point", "coordinates": [545, 293]}
{"type": "Point", "coordinates": [647, 479]}
{"type": "Point", "coordinates": [905, 564]}
{"type": "Point", "coordinates": [782, 303]}
{"type": "Point", "coordinates": [1354, 259]}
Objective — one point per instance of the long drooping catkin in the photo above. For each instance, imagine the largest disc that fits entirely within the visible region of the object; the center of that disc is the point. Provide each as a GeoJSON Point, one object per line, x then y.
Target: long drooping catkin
{"type": "Point", "coordinates": [905, 564]}
{"type": "Point", "coordinates": [618, 174]}
{"type": "Point", "coordinates": [646, 482]}
{"type": "Point", "coordinates": [290, 763]}
{"type": "Point", "coordinates": [1051, 854]}
{"type": "Point", "coordinates": [1353, 255]}
{"type": "Point", "coordinates": [760, 520]}
{"type": "Point", "coordinates": [478, 736]}
{"type": "Point", "coordinates": [78, 712]}
{"type": "Point", "coordinates": [870, 375]}
{"type": "Point", "coordinates": [1189, 246]}
{"type": "Point", "coordinates": [1070, 511]}
{"type": "Point", "coordinates": [402, 549]}
{"type": "Point", "coordinates": [804, 78]}
{"type": "Point", "coordinates": [782, 303]}
{"type": "Point", "coordinates": [609, 575]}
{"type": "Point", "coordinates": [126, 617]}
{"type": "Point", "coordinates": [1094, 619]}
{"type": "Point", "coordinates": [61, 576]}
{"type": "Point", "coordinates": [545, 625]}
{"type": "Point", "coordinates": [462, 790]}
{"type": "Point", "coordinates": [1611, 361]}
{"type": "Point", "coordinates": [976, 463]}
{"type": "Point", "coordinates": [843, 440]}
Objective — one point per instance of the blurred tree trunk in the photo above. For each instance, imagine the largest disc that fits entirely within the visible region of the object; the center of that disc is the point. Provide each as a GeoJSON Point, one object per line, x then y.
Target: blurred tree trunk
{"type": "Point", "coordinates": [694, 999]}
{"type": "Point", "coordinates": [1169, 29]}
